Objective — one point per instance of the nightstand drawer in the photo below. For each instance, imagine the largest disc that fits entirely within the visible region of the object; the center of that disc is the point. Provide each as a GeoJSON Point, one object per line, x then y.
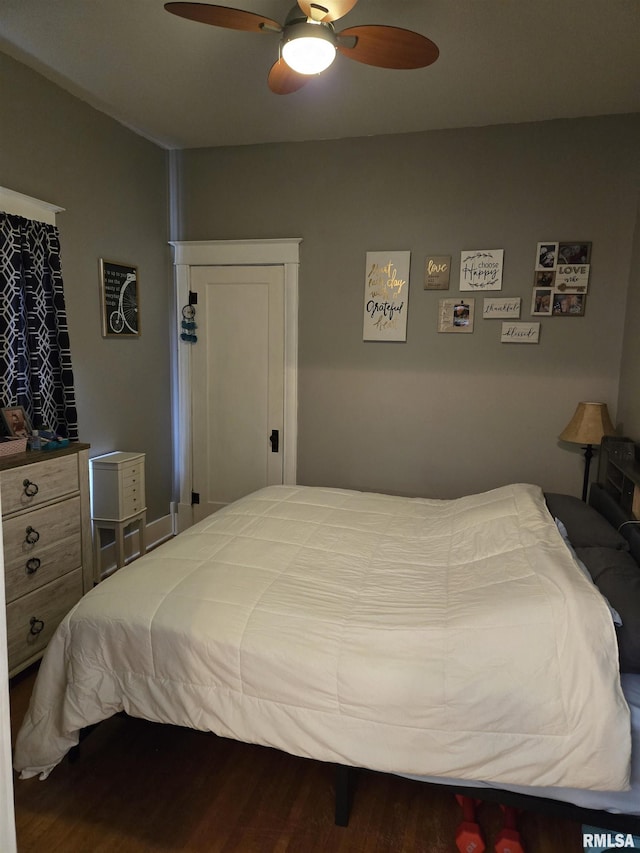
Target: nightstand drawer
{"type": "Point", "coordinates": [33, 485]}
{"type": "Point", "coordinates": [132, 474]}
{"type": "Point", "coordinates": [41, 546]}
{"type": "Point", "coordinates": [32, 619]}
{"type": "Point", "coordinates": [132, 501]}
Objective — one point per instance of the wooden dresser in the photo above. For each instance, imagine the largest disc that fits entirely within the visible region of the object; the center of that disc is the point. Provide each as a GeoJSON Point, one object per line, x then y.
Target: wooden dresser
{"type": "Point", "coordinates": [46, 529]}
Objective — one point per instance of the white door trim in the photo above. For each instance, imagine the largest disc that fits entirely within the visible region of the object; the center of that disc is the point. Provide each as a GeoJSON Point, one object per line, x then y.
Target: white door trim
{"type": "Point", "coordinates": [187, 254]}
{"type": "Point", "coordinates": [7, 815]}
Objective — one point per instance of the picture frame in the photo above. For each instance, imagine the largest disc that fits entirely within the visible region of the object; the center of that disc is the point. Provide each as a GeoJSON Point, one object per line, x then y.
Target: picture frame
{"type": "Point", "coordinates": [119, 300]}
{"type": "Point", "coordinates": [456, 315]}
{"type": "Point", "coordinates": [544, 278]}
{"type": "Point", "coordinates": [547, 255]}
{"type": "Point", "coordinates": [542, 302]}
{"type": "Point", "coordinates": [574, 252]}
{"type": "Point", "coordinates": [568, 304]}
{"type": "Point", "coordinates": [16, 422]}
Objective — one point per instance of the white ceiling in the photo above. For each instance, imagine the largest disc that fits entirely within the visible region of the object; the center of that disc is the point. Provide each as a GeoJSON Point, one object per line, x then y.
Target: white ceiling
{"type": "Point", "coordinates": [184, 84]}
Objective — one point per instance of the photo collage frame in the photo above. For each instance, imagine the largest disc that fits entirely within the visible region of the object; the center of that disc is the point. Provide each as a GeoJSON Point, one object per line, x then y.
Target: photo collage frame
{"type": "Point", "coordinates": [561, 278]}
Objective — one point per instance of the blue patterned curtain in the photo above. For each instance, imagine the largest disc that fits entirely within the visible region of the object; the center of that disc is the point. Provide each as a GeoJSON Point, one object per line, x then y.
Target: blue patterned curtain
{"type": "Point", "coordinates": [35, 358]}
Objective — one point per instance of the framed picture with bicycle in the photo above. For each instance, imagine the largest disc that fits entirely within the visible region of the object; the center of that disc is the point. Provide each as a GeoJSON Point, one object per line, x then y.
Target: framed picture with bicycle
{"type": "Point", "coordinates": [119, 300]}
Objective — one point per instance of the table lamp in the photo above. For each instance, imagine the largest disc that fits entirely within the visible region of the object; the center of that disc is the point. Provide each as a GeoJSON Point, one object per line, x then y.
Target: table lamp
{"type": "Point", "coordinates": [588, 426]}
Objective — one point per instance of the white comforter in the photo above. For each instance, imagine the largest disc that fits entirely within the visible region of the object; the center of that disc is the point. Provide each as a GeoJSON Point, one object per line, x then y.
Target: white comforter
{"type": "Point", "coordinates": [445, 638]}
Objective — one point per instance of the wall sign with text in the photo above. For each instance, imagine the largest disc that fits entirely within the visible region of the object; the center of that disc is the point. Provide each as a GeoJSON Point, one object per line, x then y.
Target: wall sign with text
{"type": "Point", "coordinates": [501, 307]}
{"type": "Point", "coordinates": [436, 272]}
{"type": "Point", "coordinates": [119, 300]}
{"type": "Point", "coordinates": [386, 296]}
{"type": "Point", "coordinates": [481, 269]}
{"type": "Point", "coordinates": [520, 333]}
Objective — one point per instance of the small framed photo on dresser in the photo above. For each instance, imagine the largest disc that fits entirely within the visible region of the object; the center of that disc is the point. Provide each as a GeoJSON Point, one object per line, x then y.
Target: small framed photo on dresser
{"type": "Point", "coordinates": [16, 422]}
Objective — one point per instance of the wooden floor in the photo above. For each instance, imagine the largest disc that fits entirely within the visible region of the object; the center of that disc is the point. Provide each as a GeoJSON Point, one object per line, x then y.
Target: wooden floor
{"type": "Point", "coordinates": [140, 786]}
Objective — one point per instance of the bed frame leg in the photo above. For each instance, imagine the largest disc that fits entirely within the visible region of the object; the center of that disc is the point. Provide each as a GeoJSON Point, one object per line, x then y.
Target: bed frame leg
{"type": "Point", "coordinates": [345, 782]}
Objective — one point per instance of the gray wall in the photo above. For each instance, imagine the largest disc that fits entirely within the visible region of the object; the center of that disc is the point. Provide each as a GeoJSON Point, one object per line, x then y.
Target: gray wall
{"type": "Point", "coordinates": [440, 415]}
{"type": "Point", "coordinates": [629, 401]}
{"type": "Point", "coordinates": [113, 186]}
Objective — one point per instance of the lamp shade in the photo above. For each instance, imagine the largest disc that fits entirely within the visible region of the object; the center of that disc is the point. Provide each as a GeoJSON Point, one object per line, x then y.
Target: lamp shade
{"type": "Point", "coordinates": [308, 48]}
{"type": "Point", "coordinates": [589, 424]}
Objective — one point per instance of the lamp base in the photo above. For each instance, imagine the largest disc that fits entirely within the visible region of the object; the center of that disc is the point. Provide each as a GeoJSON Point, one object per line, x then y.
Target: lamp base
{"type": "Point", "coordinates": [588, 456]}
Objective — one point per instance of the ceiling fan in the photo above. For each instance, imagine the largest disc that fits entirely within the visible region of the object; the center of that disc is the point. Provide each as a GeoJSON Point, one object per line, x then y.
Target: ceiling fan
{"type": "Point", "coordinates": [309, 41]}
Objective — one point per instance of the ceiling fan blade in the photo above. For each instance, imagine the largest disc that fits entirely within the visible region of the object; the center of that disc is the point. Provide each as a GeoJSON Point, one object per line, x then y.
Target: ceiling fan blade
{"type": "Point", "coordinates": [284, 80]}
{"type": "Point", "coordinates": [388, 47]}
{"type": "Point", "coordinates": [326, 10]}
{"type": "Point", "coordinates": [223, 16]}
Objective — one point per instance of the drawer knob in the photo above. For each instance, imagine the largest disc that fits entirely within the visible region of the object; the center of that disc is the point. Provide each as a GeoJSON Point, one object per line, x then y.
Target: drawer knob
{"type": "Point", "coordinates": [32, 565]}
{"type": "Point", "coordinates": [30, 489]}
{"type": "Point", "coordinates": [36, 626]}
{"type": "Point", "coordinates": [32, 536]}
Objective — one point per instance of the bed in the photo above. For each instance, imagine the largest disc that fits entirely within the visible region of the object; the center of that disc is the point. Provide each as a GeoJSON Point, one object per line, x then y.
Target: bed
{"type": "Point", "coordinates": [607, 551]}
{"type": "Point", "coordinates": [460, 642]}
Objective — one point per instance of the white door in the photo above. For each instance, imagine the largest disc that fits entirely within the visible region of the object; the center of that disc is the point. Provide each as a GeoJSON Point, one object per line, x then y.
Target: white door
{"type": "Point", "coordinates": [237, 383]}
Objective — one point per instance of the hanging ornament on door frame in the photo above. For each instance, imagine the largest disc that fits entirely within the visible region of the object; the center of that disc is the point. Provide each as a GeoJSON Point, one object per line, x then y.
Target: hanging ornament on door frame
{"type": "Point", "coordinates": [189, 325]}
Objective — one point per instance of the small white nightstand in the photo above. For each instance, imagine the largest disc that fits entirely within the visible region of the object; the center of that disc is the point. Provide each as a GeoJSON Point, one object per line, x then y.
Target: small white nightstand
{"type": "Point", "coordinates": [117, 501]}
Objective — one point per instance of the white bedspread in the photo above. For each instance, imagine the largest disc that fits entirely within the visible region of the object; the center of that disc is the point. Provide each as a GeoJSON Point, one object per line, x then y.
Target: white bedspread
{"type": "Point", "coordinates": [445, 638]}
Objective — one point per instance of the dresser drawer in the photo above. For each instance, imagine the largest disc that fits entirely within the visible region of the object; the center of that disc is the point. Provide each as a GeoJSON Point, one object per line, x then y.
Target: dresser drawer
{"type": "Point", "coordinates": [32, 619]}
{"type": "Point", "coordinates": [32, 485]}
{"type": "Point", "coordinates": [57, 548]}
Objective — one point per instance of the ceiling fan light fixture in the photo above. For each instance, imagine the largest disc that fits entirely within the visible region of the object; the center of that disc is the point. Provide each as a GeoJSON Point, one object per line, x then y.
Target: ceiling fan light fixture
{"type": "Point", "coordinates": [309, 47]}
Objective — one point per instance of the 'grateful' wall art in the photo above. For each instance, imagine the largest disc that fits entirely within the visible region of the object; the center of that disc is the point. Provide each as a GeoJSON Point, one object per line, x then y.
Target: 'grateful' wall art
{"type": "Point", "coordinates": [386, 296]}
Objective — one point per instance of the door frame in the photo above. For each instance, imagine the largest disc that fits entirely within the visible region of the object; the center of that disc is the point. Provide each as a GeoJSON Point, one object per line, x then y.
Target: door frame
{"type": "Point", "coordinates": [213, 253]}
